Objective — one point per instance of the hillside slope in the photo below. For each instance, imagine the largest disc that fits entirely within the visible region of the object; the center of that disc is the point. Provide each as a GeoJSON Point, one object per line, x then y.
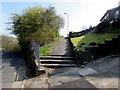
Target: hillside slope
{"type": "Point", "coordinates": [92, 39]}
{"type": "Point", "coordinates": [9, 44]}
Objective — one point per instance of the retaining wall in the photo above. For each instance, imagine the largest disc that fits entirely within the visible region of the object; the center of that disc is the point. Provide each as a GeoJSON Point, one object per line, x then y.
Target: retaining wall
{"type": "Point", "coordinates": [92, 53]}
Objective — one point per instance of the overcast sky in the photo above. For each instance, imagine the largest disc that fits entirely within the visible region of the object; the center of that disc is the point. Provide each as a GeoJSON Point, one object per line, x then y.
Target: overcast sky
{"type": "Point", "coordinates": [81, 12]}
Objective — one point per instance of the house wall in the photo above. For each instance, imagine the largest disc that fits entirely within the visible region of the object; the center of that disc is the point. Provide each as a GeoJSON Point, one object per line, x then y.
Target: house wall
{"type": "Point", "coordinates": [119, 13]}
{"type": "Point", "coordinates": [117, 16]}
{"type": "Point", "coordinates": [112, 14]}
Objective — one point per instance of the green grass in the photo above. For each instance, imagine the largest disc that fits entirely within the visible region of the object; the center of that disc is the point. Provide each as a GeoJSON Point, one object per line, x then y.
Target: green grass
{"type": "Point", "coordinates": [89, 38]}
{"type": "Point", "coordinates": [9, 44]}
{"type": "Point", "coordinates": [76, 40]}
{"type": "Point", "coordinates": [45, 50]}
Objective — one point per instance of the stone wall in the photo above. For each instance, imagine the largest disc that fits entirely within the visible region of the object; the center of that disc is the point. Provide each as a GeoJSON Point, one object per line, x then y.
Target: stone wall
{"type": "Point", "coordinates": [28, 54]}
{"type": "Point", "coordinates": [92, 53]}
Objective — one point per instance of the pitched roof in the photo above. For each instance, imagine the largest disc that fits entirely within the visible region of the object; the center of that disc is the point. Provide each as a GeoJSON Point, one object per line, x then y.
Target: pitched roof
{"type": "Point", "coordinates": [110, 11]}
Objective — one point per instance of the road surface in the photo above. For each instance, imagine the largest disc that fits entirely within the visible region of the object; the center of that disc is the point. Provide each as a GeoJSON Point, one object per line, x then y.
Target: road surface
{"type": "Point", "coordinates": [12, 68]}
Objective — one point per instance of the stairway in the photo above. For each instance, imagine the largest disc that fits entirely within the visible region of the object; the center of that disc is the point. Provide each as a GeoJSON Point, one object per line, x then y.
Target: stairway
{"type": "Point", "coordinates": [60, 56]}
{"type": "Point", "coordinates": [57, 61]}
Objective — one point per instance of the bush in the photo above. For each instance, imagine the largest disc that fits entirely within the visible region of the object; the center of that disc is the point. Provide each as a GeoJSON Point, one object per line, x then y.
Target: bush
{"type": "Point", "coordinates": [37, 24]}
{"type": "Point", "coordinates": [92, 44]}
{"type": "Point", "coordinates": [116, 24]}
{"type": "Point", "coordinates": [102, 26]}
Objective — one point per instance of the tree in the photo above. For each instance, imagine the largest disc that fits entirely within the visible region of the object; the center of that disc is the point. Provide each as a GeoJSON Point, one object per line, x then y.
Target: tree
{"type": "Point", "coordinates": [37, 24]}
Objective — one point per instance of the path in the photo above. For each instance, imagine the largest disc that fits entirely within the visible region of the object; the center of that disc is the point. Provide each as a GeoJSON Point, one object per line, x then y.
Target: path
{"type": "Point", "coordinates": [61, 55]}
{"type": "Point", "coordinates": [97, 74]}
{"type": "Point", "coordinates": [13, 69]}
{"type": "Point", "coordinates": [59, 75]}
{"type": "Point", "coordinates": [62, 48]}
{"type": "Point", "coordinates": [102, 73]}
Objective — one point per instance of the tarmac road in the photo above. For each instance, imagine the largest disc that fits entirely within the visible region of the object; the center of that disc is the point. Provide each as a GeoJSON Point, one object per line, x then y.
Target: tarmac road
{"type": "Point", "coordinates": [12, 68]}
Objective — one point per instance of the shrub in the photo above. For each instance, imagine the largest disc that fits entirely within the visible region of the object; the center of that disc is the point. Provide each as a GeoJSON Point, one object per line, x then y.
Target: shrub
{"type": "Point", "coordinates": [116, 24]}
{"type": "Point", "coordinates": [37, 24]}
{"type": "Point", "coordinates": [102, 26]}
{"type": "Point", "coordinates": [92, 44]}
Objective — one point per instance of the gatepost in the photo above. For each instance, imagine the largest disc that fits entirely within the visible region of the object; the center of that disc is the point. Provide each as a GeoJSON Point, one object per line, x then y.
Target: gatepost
{"type": "Point", "coordinates": [36, 51]}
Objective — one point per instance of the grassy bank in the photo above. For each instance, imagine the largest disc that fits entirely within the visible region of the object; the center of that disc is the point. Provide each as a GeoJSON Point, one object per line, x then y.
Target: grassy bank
{"type": "Point", "coordinates": [9, 44]}
{"type": "Point", "coordinates": [46, 49]}
{"type": "Point", "coordinates": [93, 38]}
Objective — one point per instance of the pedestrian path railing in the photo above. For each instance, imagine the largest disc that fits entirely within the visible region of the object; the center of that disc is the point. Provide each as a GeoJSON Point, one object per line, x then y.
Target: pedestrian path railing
{"type": "Point", "coordinates": [36, 48]}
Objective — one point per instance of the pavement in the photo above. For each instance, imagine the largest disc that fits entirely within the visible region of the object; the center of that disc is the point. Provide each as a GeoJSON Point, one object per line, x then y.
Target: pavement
{"type": "Point", "coordinates": [62, 48]}
{"type": "Point", "coordinates": [101, 73]}
{"type": "Point", "coordinates": [12, 70]}
{"type": "Point", "coordinates": [60, 80]}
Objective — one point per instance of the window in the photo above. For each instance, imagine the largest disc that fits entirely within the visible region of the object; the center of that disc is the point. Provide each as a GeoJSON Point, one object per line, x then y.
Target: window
{"type": "Point", "coordinates": [105, 17]}
{"type": "Point", "coordinates": [117, 12]}
{"type": "Point", "coordinates": [111, 22]}
{"type": "Point", "coordinates": [107, 14]}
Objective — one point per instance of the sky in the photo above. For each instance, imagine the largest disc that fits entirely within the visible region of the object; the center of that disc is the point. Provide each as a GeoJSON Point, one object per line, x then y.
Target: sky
{"type": "Point", "coordinates": [82, 13]}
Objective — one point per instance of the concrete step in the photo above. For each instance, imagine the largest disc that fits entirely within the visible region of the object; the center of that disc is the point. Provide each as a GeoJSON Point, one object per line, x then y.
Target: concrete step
{"type": "Point", "coordinates": [42, 68]}
{"type": "Point", "coordinates": [57, 60]}
{"type": "Point", "coordinates": [62, 65]}
{"type": "Point", "coordinates": [61, 55]}
{"type": "Point", "coordinates": [56, 57]}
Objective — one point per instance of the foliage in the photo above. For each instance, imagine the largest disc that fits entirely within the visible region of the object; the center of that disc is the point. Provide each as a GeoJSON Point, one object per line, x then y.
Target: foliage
{"type": "Point", "coordinates": [45, 50]}
{"type": "Point", "coordinates": [116, 24]}
{"type": "Point", "coordinates": [37, 24]}
{"type": "Point", "coordinates": [109, 30]}
{"type": "Point", "coordinates": [101, 26]}
{"type": "Point", "coordinates": [76, 40]}
{"type": "Point", "coordinates": [106, 27]}
{"type": "Point", "coordinates": [29, 57]}
{"type": "Point", "coordinates": [89, 39]}
{"type": "Point", "coordinates": [72, 32]}
{"type": "Point", "coordinates": [9, 43]}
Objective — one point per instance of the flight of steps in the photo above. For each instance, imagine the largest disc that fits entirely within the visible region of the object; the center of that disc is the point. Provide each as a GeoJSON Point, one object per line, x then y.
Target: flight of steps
{"type": "Point", "coordinates": [57, 61]}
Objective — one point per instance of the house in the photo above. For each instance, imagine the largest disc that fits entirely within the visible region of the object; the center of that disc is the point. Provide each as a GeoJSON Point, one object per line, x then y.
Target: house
{"type": "Point", "coordinates": [111, 15]}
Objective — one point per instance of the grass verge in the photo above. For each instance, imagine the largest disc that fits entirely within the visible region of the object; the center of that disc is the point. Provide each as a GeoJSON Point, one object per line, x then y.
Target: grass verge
{"type": "Point", "coordinates": [46, 49]}
{"type": "Point", "coordinates": [95, 38]}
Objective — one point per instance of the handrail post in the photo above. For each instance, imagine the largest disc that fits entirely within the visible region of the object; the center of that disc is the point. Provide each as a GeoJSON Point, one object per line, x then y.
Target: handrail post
{"type": "Point", "coordinates": [36, 51]}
